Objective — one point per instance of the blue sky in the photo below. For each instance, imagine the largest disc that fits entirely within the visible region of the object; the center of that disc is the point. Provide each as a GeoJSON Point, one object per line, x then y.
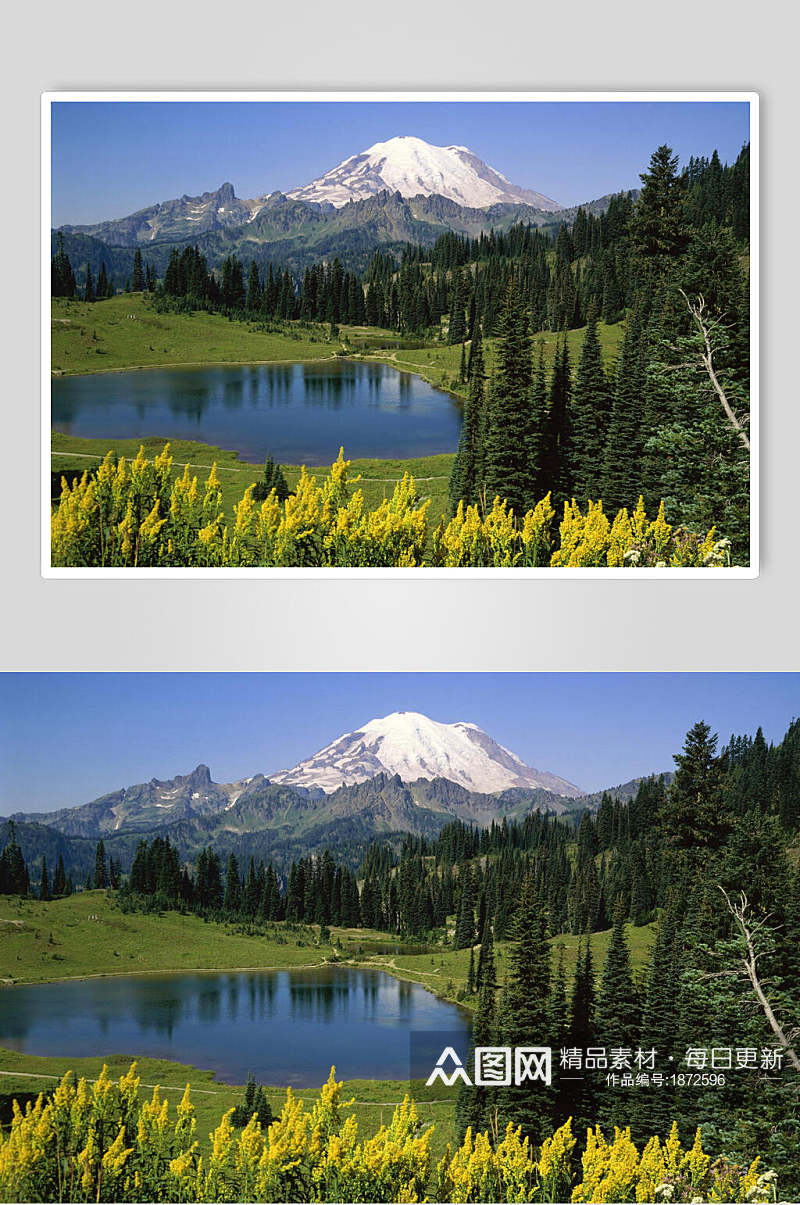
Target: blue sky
{"type": "Point", "coordinates": [112, 158]}
{"type": "Point", "coordinates": [67, 738]}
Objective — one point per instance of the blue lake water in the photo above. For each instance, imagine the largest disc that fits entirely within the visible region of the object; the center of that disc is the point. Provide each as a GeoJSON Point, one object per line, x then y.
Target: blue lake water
{"type": "Point", "coordinates": [300, 413]}
{"type": "Point", "coordinates": [284, 1027]}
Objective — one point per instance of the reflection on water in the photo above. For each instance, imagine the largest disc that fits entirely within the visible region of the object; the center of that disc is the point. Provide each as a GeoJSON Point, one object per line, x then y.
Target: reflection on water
{"type": "Point", "coordinates": [301, 413]}
{"type": "Point", "coordinates": [282, 1026]}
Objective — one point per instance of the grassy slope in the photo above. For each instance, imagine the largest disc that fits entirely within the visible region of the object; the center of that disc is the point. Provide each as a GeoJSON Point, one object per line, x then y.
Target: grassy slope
{"type": "Point", "coordinates": [126, 332]}
{"type": "Point", "coordinates": [87, 934]}
{"type": "Point", "coordinates": [439, 364]}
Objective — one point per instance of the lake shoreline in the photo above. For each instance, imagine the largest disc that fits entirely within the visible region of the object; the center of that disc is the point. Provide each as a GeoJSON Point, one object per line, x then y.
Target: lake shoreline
{"type": "Point", "coordinates": [386, 358]}
{"type": "Point", "coordinates": [57, 374]}
{"type": "Point", "coordinates": [397, 973]}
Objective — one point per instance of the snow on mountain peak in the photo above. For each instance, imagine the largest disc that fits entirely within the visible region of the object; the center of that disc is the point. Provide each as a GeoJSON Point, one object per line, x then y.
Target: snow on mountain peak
{"type": "Point", "coordinates": [411, 166]}
{"type": "Point", "coordinates": [414, 746]}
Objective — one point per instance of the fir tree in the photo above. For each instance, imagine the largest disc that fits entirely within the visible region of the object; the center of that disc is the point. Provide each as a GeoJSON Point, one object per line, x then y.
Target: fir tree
{"type": "Point", "coordinates": [659, 226]}
{"type": "Point", "coordinates": [44, 886]}
{"type": "Point", "coordinates": [617, 1020]}
{"type": "Point", "coordinates": [696, 818]}
{"type": "Point", "coordinates": [100, 878]}
{"type": "Point", "coordinates": [577, 1091]}
{"type": "Point", "coordinates": [526, 1010]}
{"type": "Point", "coordinates": [507, 466]}
{"type": "Point", "coordinates": [555, 462]}
{"type": "Point", "coordinates": [60, 878]}
{"type": "Point", "coordinates": [589, 415]}
{"type": "Point", "coordinates": [273, 479]}
{"type": "Point", "coordinates": [466, 478]}
{"type": "Point", "coordinates": [232, 901]}
{"type": "Point", "coordinates": [253, 288]}
{"type": "Point", "coordinates": [137, 278]}
{"type": "Point", "coordinates": [620, 477]}
{"type": "Point", "coordinates": [62, 278]}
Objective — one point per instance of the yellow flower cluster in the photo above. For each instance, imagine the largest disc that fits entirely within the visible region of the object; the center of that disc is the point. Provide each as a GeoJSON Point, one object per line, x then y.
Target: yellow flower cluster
{"type": "Point", "coordinates": [591, 539]}
{"type": "Point", "coordinates": [102, 1142]}
{"type": "Point", "coordinates": [133, 514]}
{"type": "Point", "coordinates": [615, 1171]}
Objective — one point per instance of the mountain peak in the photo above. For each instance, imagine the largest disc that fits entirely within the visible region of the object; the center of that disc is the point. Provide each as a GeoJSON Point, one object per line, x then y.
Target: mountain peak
{"type": "Point", "coordinates": [413, 167]}
{"type": "Point", "coordinates": [413, 746]}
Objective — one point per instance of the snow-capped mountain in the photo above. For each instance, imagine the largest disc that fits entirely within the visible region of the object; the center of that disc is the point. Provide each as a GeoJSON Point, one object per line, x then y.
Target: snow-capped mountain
{"type": "Point", "coordinates": [413, 746]}
{"type": "Point", "coordinates": [412, 167]}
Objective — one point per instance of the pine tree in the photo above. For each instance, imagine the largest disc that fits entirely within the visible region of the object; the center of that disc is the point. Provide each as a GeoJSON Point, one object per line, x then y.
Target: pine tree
{"type": "Point", "coordinates": [88, 288]}
{"type": "Point", "coordinates": [60, 878]}
{"type": "Point", "coordinates": [102, 282]}
{"type": "Point", "coordinates": [466, 478]}
{"type": "Point", "coordinates": [457, 331]}
{"type": "Point", "coordinates": [44, 886]}
{"type": "Point", "coordinates": [654, 1111]}
{"type": "Point", "coordinates": [62, 278]}
{"type": "Point", "coordinates": [620, 478]}
{"type": "Point", "coordinates": [696, 818]}
{"type": "Point", "coordinates": [100, 878]}
{"type": "Point", "coordinates": [507, 466]}
{"type": "Point", "coordinates": [253, 288]}
{"type": "Point", "coordinates": [537, 426]}
{"type": "Point", "coordinates": [659, 225]}
{"type": "Point", "coordinates": [486, 964]}
{"type": "Point", "coordinates": [617, 1021]}
{"type": "Point", "coordinates": [273, 479]}
{"type": "Point", "coordinates": [465, 924]}
{"type": "Point", "coordinates": [474, 1105]}
{"type": "Point", "coordinates": [555, 462]}
{"type": "Point", "coordinates": [576, 1089]}
{"type": "Point", "coordinates": [233, 890]}
{"type": "Point", "coordinates": [590, 404]}
{"type": "Point", "coordinates": [526, 1010]}
{"type": "Point", "coordinates": [137, 279]}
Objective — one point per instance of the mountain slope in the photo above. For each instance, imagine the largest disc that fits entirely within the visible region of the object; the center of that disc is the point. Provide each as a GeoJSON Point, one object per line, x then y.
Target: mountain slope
{"type": "Point", "coordinates": [182, 217]}
{"type": "Point", "coordinates": [148, 805]}
{"type": "Point", "coordinates": [414, 167]}
{"type": "Point", "coordinates": [412, 746]}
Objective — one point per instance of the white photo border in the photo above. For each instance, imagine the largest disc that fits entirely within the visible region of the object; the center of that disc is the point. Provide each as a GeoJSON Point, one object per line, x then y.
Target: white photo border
{"type": "Point", "coordinates": [667, 574]}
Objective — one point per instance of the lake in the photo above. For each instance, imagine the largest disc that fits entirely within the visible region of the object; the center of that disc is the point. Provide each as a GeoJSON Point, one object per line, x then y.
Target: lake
{"type": "Point", "coordinates": [284, 1027]}
{"type": "Point", "coordinates": [300, 413]}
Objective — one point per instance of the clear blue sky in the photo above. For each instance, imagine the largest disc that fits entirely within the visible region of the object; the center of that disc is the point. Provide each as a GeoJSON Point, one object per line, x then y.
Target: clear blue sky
{"type": "Point", "coordinates": [67, 738]}
{"type": "Point", "coordinates": [111, 159]}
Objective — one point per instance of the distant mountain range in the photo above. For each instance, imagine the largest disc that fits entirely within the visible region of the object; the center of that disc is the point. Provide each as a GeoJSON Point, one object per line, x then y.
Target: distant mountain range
{"type": "Point", "coordinates": [399, 191]}
{"type": "Point", "coordinates": [404, 773]}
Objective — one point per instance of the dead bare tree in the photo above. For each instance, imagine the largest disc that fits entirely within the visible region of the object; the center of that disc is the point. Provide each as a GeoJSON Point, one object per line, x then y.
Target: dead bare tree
{"type": "Point", "coordinates": [749, 928]}
{"type": "Point", "coordinates": [707, 325]}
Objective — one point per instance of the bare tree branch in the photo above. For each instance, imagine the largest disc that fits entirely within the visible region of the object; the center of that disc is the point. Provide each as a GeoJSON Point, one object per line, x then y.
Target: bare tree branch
{"type": "Point", "coordinates": [706, 327]}
{"type": "Point", "coordinates": [748, 929]}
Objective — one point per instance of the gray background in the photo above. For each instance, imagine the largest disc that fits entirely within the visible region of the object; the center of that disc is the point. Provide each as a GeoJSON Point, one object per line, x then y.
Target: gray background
{"type": "Point", "coordinates": [415, 625]}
